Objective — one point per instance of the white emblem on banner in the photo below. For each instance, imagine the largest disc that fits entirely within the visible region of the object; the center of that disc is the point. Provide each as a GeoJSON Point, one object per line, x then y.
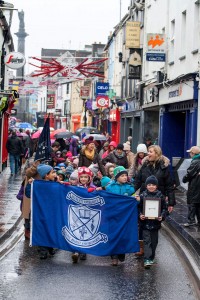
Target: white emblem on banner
{"type": "Point", "coordinates": [84, 222]}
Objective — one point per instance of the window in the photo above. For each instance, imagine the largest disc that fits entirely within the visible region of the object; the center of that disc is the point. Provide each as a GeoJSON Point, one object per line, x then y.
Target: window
{"type": "Point", "coordinates": [172, 40]}
{"type": "Point", "coordinates": [183, 33]}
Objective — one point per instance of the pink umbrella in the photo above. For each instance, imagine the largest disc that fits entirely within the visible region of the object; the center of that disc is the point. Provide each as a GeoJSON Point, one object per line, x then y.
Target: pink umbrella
{"type": "Point", "coordinates": [36, 134]}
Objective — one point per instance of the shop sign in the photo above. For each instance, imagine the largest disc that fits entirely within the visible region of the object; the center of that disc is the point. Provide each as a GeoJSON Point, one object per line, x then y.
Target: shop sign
{"type": "Point", "coordinates": [132, 34]}
{"type": "Point", "coordinates": [113, 115]}
{"type": "Point", "coordinates": [50, 101]}
{"type": "Point", "coordinates": [76, 119]}
{"type": "Point", "coordinates": [15, 60]}
{"type": "Point", "coordinates": [156, 47]}
{"type": "Point", "coordinates": [102, 101]}
{"type": "Point", "coordinates": [85, 91]}
{"type": "Point", "coordinates": [102, 88]}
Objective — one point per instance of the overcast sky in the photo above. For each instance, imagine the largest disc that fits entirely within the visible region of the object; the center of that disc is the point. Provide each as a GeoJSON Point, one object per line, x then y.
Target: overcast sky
{"type": "Point", "coordinates": [66, 24]}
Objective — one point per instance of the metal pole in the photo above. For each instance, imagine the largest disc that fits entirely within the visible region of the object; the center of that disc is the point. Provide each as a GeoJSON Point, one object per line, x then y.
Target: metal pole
{"type": "Point", "coordinates": [85, 117]}
{"type": "Point", "coordinates": [198, 107]}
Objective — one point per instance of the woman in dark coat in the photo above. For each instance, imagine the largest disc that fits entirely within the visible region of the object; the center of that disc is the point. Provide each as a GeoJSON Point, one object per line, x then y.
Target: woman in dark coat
{"type": "Point", "coordinates": [158, 165]}
{"type": "Point", "coordinates": [89, 155]}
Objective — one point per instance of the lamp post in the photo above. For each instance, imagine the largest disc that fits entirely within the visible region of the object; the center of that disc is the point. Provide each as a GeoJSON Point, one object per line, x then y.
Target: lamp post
{"type": "Point", "coordinates": [85, 113]}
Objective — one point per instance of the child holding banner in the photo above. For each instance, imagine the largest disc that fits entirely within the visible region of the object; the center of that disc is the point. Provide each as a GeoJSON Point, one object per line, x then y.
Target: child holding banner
{"type": "Point", "coordinates": [120, 186]}
{"type": "Point", "coordinates": [84, 180]}
{"type": "Point", "coordinates": [45, 172]}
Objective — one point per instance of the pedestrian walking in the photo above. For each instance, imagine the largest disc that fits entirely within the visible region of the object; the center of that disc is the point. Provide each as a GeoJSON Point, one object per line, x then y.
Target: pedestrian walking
{"type": "Point", "coordinates": [111, 147]}
{"type": "Point", "coordinates": [137, 160]}
{"type": "Point", "coordinates": [193, 192]}
{"type": "Point", "coordinates": [89, 155]}
{"type": "Point", "coordinates": [149, 226]}
{"type": "Point", "coordinates": [155, 163]}
{"type": "Point", "coordinates": [119, 186]}
{"type": "Point", "coordinates": [117, 157]}
{"type": "Point", "coordinates": [15, 149]}
{"type": "Point", "coordinates": [129, 154]}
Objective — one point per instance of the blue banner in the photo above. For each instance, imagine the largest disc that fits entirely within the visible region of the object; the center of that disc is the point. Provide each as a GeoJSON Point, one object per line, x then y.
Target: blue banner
{"type": "Point", "coordinates": [70, 218]}
{"type": "Point", "coordinates": [44, 143]}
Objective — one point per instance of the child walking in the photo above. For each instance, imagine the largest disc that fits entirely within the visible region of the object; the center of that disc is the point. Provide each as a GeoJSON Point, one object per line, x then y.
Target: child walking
{"type": "Point", "coordinates": [84, 181]}
{"type": "Point", "coordinates": [120, 186]}
{"type": "Point", "coordinates": [150, 227]}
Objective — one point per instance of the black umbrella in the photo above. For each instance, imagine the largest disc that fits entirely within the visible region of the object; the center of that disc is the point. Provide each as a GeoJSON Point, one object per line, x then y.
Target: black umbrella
{"type": "Point", "coordinates": [64, 135]}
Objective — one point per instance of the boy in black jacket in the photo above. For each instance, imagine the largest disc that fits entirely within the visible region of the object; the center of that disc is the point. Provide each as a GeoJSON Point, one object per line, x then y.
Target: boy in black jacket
{"type": "Point", "coordinates": [151, 226]}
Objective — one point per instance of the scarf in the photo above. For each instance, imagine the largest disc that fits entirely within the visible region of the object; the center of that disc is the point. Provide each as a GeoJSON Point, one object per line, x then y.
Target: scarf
{"type": "Point", "coordinates": [89, 154]}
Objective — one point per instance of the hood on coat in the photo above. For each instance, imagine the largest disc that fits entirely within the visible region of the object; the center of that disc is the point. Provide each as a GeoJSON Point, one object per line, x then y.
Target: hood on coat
{"type": "Point", "coordinates": [119, 156]}
{"type": "Point", "coordinates": [165, 162]}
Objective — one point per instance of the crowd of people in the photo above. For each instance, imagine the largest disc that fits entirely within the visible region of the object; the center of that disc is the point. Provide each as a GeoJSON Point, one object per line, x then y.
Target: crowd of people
{"type": "Point", "coordinates": [114, 168]}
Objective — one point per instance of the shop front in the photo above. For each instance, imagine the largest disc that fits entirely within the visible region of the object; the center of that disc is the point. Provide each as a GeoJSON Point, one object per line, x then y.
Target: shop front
{"type": "Point", "coordinates": [178, 118]}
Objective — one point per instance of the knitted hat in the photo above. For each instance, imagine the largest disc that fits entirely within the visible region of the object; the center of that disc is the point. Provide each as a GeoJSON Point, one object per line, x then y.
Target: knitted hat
{"type": "Point", "coordinates": [141, 148]}
{"type": "Point", "coordinates": [60, 172]}
{"type": "Point", "coordinates": [105, 181]}
{"type": "Point", "coordinates": [126, 147]}
{"type": "Point", "coordinates": [94, 168]}
{"type": "Point", "coordinates": [75, 161]}
{"type": "Point", "coordinates": [43, 170]}
{"type": "Point", "coordinates": [74, 175]}
{"type": "Point", "coordinates": [69, 154]}
{"type": "Point", "coordinates": [114, 144]}
{"type": "Point", "coordinates": [106, 144]}
{"type": "Point", "coordinates": [120, 147]}
{"type": "Point", "coordinates": [69, 170]}
{"type": "Point", "coordinates": [61, 165]}
{"type": "Point", "coordinates": [118, 171]}
{"type": "Point", "coordinates": [151, 180]}
{"type": "Point", "coordinates": [194, 149]}
{"type": "Point", "coordinates": [85, 170]}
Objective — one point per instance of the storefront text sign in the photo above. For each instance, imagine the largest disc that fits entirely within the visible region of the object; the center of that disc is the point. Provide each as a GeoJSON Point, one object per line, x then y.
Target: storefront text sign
{"type": "Point", "coordinates": [132, 34]}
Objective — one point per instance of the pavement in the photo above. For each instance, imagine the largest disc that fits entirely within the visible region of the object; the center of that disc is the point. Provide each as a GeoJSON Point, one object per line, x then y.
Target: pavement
{"type": "Point", "coordinates": [186, 239]}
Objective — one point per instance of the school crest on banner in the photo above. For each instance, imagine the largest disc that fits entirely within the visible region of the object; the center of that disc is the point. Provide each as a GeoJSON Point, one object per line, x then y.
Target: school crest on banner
{"type": "Point", "coordinates": [84, 222]}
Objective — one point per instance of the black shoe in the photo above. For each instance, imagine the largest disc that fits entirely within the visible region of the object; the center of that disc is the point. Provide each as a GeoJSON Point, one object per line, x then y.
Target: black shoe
{"type": "Point", "coordinates": [43, 255]}
{"type": "Point", "coordinates": [121, 257]}
{"type": "Point", "coordinates": [83, 256]}
{"type": "Point", "coordinates": [52, 251]}
{"type": "Point", "coordinates": [75, 257]}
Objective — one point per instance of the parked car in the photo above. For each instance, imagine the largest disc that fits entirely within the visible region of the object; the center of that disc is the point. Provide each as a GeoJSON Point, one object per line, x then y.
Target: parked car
{"type": "Point", "coordinates": [83, 131]}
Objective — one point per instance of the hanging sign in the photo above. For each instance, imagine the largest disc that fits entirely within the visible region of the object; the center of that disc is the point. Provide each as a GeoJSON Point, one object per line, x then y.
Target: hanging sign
{"type": "Point", "coordinates": [14, 60]}
{"type": "Point", "coordinates": [132, 34]}
{"type": "Point", "coordinates": [102, 101]}
{"type": "Point", "coordinates": [156, 47]}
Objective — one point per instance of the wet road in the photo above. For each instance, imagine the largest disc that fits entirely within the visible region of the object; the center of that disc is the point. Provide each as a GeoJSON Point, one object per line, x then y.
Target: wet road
{"type": "Point", "coordinates": [24, 276]}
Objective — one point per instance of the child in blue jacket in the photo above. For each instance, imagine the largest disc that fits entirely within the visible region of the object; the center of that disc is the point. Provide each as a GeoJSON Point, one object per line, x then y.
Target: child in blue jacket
{"type": "Point", "coordinates": [120, 186]}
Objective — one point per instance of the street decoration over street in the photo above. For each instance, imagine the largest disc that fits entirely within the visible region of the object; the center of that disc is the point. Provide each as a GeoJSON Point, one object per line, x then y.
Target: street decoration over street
{"type": "Point", "coordinates": [66, 66]}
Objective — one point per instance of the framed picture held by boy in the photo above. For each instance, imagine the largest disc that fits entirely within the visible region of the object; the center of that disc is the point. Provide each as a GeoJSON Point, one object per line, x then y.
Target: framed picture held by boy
{"type": "Point", "coordinates": [152, 208]}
